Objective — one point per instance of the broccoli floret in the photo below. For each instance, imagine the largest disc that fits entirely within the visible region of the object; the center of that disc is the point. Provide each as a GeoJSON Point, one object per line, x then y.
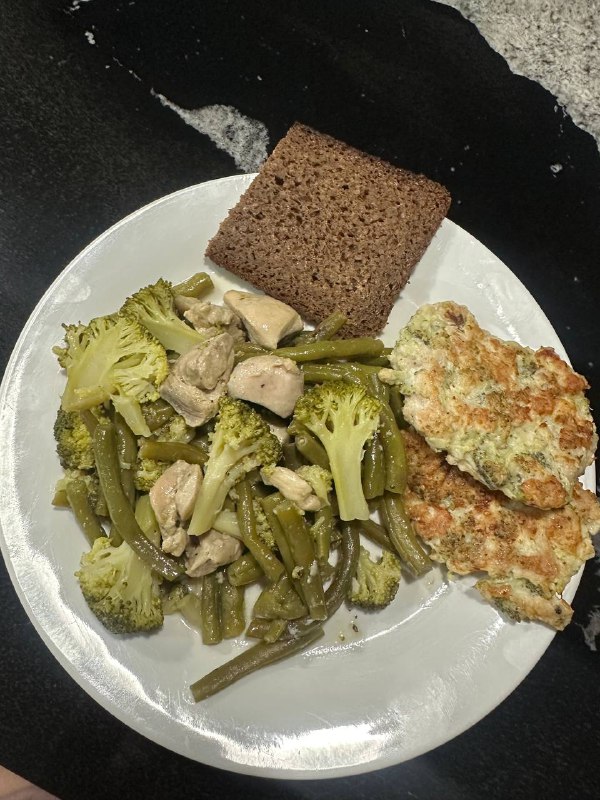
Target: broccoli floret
{"type": "Point", "coordinates": [240, 442]}
{"type": "Point", "coordinates": [154, 308]}
{"type": "Point", "coordinates": [92, 484]}
{"type": "Point", "coordinates": [112, 358]}
{"type": "Point", "coordinates": [175, 430]}
{"type": "Point", "coordinates": [320, 480]}
{"type": "Point", "coordinates": [376, 582]}
{"type": "Point", "coordinates": [120, 588]}
{"type": "Point", "coordinates": [262, 524]}
{"type": "Point", "coordinates": [344, 417]}
{"type": "Point", "coordinates": [147, 472]}
{"type": "Point", "coordinates": [73, 441]}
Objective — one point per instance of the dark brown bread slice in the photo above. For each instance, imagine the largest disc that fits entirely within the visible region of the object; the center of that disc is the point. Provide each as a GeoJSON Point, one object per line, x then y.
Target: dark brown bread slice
{"type": "Point", "coordinates": [324, 227]}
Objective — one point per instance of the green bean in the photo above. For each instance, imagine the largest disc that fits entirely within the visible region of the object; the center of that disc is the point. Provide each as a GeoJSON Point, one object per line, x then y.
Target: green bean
{"type": "Point", "coordinates": [244, 570]}
{"type": "Point", "coordinates": [146, 519]}
{"type": "Point", "coordinates": [279, 601]}
{"type": "Point", "coordinates": [266, 559]}
{"type": "Point", "coordinates": [172, 451]}
{"type": "Point", "coordinates": [127, 450]}
{"type": "Point", "coordinates": [269, 504]}
{"type": "Point", "coordinates": [233, 620]}
{"type": "Point", "coordinates": [190, 609]}
{"type": "Point", "coordinates": [297, 534]}
{"type": "Point", "coordinates": [373, 469]}
{"type": "Point", "coordinates": [121, 513]}
{"type": "Point", "coordinates": [321, 531]}
{"type": "Point", "coordinates": [197, 285]}
{"type": "Point", "coordinates": [90, 420]}
{"type": "Point", "coordinates": [376, 533]}
{"type": "Point", "coordinates": [376, 361]}
{"type": "Point", "coordinates": [226, 521]}
{"type": "Point", "coordinates": [157, 414]}
{"type": "Point", "coordinates": [394, 452]}
{"type": "Point", "coordinates": [331, 348]}
{"type": "Point", "coordinates": [311, 448]}
{"type": "Point", "coordinates": [291, 457]}
{"type": "Point", "coordinates": [275, 630]}
{"type": "Point", "coordinates": [211, 610]}
{"type": "Point", "coordinates": [259, 626]}
{"type": "Point", "coordinates": [60, 499]}
{"type": "Point", "coordinates": [396, 404]}
{"type": "Point", "coordinates": [402, 535]}
{"type": "Point", "coordinates": [250, 660]}
{"type": "Point", "coordinates": [249, 350]}
{"type": "Point", "coordinates": [79, 501]}
{"type": "Point", "coordinates": [326, 329]}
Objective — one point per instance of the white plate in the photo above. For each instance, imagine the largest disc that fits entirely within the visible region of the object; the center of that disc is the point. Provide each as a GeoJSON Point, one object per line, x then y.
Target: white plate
{"type": "Point", "coordinates": [415, 675]}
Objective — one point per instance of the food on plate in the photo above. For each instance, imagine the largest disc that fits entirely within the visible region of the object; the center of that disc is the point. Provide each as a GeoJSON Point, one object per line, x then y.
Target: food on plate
{"type": "Point", "coordinates": [529, 554]}
{"type": "Point", "coordinates": [325, 227]}
{"type": "Point", "coordinates": [515, 419]}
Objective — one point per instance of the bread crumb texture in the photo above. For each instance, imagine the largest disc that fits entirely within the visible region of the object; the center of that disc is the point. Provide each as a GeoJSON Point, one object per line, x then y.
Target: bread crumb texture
{"type": "Point", "coordinates": [325, 227]}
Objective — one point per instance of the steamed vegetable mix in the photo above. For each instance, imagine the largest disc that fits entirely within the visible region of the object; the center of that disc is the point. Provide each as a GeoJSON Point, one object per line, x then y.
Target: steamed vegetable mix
{"type": "Point", "coordinates": [197, 503]}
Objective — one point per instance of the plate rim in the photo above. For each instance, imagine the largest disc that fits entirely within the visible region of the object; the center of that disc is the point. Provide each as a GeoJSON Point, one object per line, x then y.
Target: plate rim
{"type": "Point", "coordinates": [109, 703]}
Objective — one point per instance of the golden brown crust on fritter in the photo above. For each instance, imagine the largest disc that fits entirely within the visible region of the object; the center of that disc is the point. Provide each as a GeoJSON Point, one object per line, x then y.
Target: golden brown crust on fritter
{"type": "Point", "coordinates": [529, 554]}
{"type": "Point", "coordinates": [514, 419]}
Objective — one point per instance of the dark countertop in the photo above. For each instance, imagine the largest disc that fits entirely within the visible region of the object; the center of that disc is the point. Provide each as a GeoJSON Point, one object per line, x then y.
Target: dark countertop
{"type": "Point", "coordinates": [85, 142]}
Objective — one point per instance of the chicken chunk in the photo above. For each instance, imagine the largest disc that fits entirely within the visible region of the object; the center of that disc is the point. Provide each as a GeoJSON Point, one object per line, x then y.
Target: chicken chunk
{"type": "Point", "coordinates": [210, 551]}
{"type": "Point", "coordinates": [172, 499]}
{"type": "Point", "coordinates": [213, 319]}
{"type": "Point", "coordinates": [292, 486]}
{"type": "Point", "coordinates": [198, 379]}
{"type": "Point", "coordinates": [267, 320]}
{"type": "Point", "coordinates": [269, 381]}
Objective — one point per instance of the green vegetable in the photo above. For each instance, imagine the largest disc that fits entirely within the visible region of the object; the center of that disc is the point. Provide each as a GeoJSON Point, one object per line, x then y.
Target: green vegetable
{"type": "Point", "coordinates": [73, 441]}
{"type": "Point", "coordinates": [153, 307]}
{"type": "Point", "coordinates": [119, 588]}
{"type": "Point", "coordinates": [344, 418]}
{"type": "Point", "coordinates": [326, 329]}
{"type": "Point", "coordinates": [199, 284]}
{"type": "Point", "coordinates": [240, 442]}
{"type": "Point", "coordinates": [244, 570]}
{"type": "Point", "coordinates": [211, 610]}
{"type": "Point", "coordinates": [112, 358]}
{"type": "Point", "coordinates": [233, 620]}
{"type": "Point", "coordinates": [320, 480]}
{"type": "Point", "coordinates": [401, 533]}
{"type": "Point", "coordinates": [376, 582]}
{"type": "Point", "coordinates": [79, 500]}
{"type": "Point", "coordinates": [262, 552]}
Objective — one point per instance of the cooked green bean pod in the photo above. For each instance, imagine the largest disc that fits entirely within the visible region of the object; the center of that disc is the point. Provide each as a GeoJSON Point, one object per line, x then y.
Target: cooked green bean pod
{"type": "Point", "coordinates": [275, 630]}
{"type": "Point", "coordinates": [394, 452]}
{"type": "Point", "coordinates": [266, 559]}
{"type": "Point", "coordinates": [326, 329]}
{"type": "Point", "coordinates": [158, 414]}
{"type": "Point", "coordinates": [128, 451]}
{"type": "Point", "coordinates": [376, 533]}
{"type": "Point", "coordinates": [291, 457]}
{"type": "Point", "coordinates": [249, 661]}
{"type": "Point", "coordinates": [311, 448]}
{"type": "Point", "coordinates": [402, 535]}
{"type": "Point", "coordinates": [296, 531]}
{"type": "Point", "coordinates": [244, 570]}
{"type": "Point", "coordinates": [121, 513]}
{"type": "Point", "coordinates": [211, 610]}
{"type": "Point", "coordinates": [396, 404]}
{"type": "Point", "coordinates": [197, 285]}
{"type": "Point", "coordinates": [373, 469]}
{"type": "Point", "coordinates": [78, 499]}
{"type": "Point", "coordinates": [321, 531]}
{"type": "Point", "coordinates": [172, 451]}
{"type": "Point", "coordinates": [279, 601]}
{"type": "Point", "coordinates": [233, 620]}
{"type": "Point", "coordinates": [146, 519]}
{"type": "Point", "coordinates": [331, 348]}
{"type": "Point", "coordinates": [259, 626]}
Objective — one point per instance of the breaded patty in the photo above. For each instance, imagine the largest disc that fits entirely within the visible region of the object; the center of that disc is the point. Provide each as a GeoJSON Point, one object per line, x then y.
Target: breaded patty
{"type": "Point", "coordinates": [528, 554]}
{"type": "Point", "coordinates": [514, 418]}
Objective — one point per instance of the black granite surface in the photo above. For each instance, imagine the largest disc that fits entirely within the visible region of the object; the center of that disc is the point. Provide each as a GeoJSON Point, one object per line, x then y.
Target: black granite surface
{"type": "Point", "coordinates": [84, 142]}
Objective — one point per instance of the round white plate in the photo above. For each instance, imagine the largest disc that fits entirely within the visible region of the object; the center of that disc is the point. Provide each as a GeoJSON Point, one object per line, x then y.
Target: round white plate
{"type": "Point", "coordinates": [413, 676]}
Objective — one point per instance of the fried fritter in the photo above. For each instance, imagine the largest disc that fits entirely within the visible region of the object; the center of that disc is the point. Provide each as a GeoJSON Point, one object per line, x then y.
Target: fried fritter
{"type": "Point", "coordinates": [514, 418]}
{"type": "Point", "coordinates": [529, 554]}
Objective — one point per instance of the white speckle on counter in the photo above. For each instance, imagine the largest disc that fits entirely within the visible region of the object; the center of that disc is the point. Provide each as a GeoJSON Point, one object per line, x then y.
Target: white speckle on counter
{"type": "Point", "coordinates": [90, 37]}
{"type": "Point", "coordinates": [556, 168]}
{"type": "Point", "coordinates": [76, 4]}
{"type": "Point", "coordinates": [243, 138]}
{"type": "Point", "coordinates": [591, 631]}
{"type": "Point", "coordinates": [552, 42]}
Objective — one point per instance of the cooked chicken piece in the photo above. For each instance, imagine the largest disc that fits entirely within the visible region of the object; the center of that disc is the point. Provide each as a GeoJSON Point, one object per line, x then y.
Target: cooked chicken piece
{"type": "Point", "coordinates": [267, 320]}
{"type": "Point", "coordinates": [194, 405]}
{"type": "Point", "coordinates": [529, 554]}
{"type": "Point", "coordinates": [292, 486]}
{"type": "Point", "coordinates": [269, 381]}
{"type": "Point", "coordinates": [183, 303]}
{"type": "Point", "coordinates": [515, 419]}
{"type": "Point", "coordinates": [172, 499]}
{"type": "Point", "coordinates": [210, 551]}
{"type": "Point", "coordinates": [212, 319]}
{"type": "Point", "coordinates": [198, 379]}
{"type": "Point", "coordinates": [206, 364]}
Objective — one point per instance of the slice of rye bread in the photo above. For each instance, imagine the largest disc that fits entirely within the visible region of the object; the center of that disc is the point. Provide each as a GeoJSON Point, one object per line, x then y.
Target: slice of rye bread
{"type": "Point", "coordinates": [325, 227]}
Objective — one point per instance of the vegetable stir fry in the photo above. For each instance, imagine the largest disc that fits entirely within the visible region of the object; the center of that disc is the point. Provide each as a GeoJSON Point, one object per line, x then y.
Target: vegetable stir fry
{"type": "Point", "coordinates": [208, 448]}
